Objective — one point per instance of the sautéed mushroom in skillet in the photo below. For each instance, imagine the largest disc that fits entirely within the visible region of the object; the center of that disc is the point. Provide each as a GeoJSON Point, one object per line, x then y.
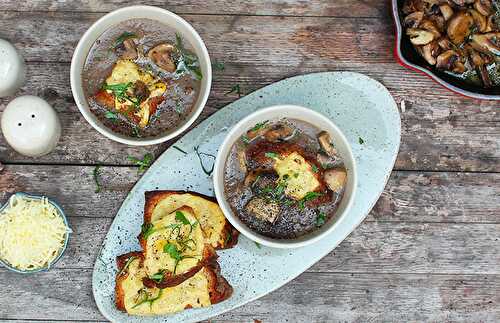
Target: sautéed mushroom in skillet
{"type": "Point", "coordinates": [141, 79]}
{"type": "Point", "coordinates": [284, 178]}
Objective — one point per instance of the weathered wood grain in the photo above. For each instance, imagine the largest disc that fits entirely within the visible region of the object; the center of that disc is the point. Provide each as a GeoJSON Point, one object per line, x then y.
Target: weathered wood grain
{"type": "Point", "coordinates": [338, 8]}
{"type": "Point", "coordinates": [312, 297]}
{"type": "Point", "coordinates": [257, 40]}
{"type": "Point", "coordinates": [411, 229]}
{"type": "Point", "coordinates": [441, 131]}
{"type": "Point", "coordinates": [374, 247]}
{"type": "Point", "coordinates": [409, 196]}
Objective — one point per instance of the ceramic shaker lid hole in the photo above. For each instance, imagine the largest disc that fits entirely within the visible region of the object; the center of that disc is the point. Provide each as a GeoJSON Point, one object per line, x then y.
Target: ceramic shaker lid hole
{"type": "Point", "coordinates": [30, 126]}
{"type": "Point", "coordinates": [12, 69]}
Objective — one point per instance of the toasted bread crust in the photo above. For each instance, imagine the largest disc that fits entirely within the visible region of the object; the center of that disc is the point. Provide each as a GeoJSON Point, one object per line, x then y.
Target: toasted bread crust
{"type": "Point", "coordinates": [218, 287]}
{"type": "Point", "coordinates": [121, 261]}
{"type": "Point", "coordinates": [152, 198]}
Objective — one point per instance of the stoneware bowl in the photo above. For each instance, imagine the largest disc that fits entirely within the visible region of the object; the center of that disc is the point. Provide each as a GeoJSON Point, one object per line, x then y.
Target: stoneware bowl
{"type": "Point", "coordinates": [408, 57]}
{"type": "Point", "coordinates": [63, 216]}
{"type": "Point", "coordinates": [164, 17]}
{"type": "Point", "coordinates": [276, 113]}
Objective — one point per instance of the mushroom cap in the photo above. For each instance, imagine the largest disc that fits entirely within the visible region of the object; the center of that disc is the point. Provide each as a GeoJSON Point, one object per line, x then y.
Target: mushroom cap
{"type": "Point", "coordinates": [420, 36]}
{"type": "Point", "coordinates": [446, 11]}
{"type": "Point", "coordinates": [486, 43]}
{"type": "Point", "coordinates": [479, 20]}
{"type": "Point", "coordinates": [459, 27]}
{"type": "Point", "coordinates": [485, 7]}
{"type": "Point", "coordinates": [414, 19]}
{"type": "Point", "coordinates": [161, 56]}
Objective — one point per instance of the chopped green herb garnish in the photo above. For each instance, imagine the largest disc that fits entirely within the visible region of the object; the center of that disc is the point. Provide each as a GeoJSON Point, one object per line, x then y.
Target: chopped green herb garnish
{"type": "Point", "coordinates": [129, 260]}
{"type": "Point", "coordinates": [205, 170]}
{"type": "Point", "coordinates": [320, 219]}
{"type": "Point", "coordinates": [308, 197]}
{"type": "Point", "coordinates": [186, 62]}
{"type": "Point", "coordinates": [271, 155]}
{"type": "Point", "coordinates": [259, 125]}
{"type": "Point", "coordinates": [147, 229]}
{"type": "Point", "coordinates": [177, 148]}
{"type": "Point", "coordinates": [119, 90]}
{"type": "Point", "coordinates": [315, 168]}
{"type": "Point", "coordinates": [158, 277]}
{"type": "Point", "coordinates": [97, 178]}
{"type": "Point", "coordinates": [135, 132]}
{"type": "Point", "coordinates": [123, 37]}
{"type": "Point", "coordinates": [144, 163]}
{"type": "Point", "coordinates": [361, 141]}
{"type": "Point", "coordinates": [111, 116]}
{"type": "Point", "coordinates": [219, 66]}
{"type": "Point", "coordinates": [235, 89]}
{"type": "Point", "coordinates": [146, 299]}
{"type": "Point", "coordinates": [172, 250]}
{"type": "Point", "coordinates": [245, 139]}
{"type": "Point", "coordinates": [179, 216]}
{"type": "Point", "coordinates": [258, 245]}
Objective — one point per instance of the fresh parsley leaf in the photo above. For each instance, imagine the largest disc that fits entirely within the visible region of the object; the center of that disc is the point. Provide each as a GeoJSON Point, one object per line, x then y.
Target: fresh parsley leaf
{"type": "Point", "coordinates": [143, 163]}
{"type": "Point", "coordinates": [271, 155]}
{"type": "Point", "coordinates": [320, 219]}
{"type": "Point", "coordinates": [235, 89]}
{"type": "Point", "coordinates": [111, 116]}
{"type": "Point", "coordinates": [308, 197]}
{"type": "Point", "coordinates": [158, 277]}
{"type": "Point", "coordinates": [361, 141]}
{"type": "Point", "coordinates": [97, 178]}
{"type": "Point", "coordinates": [179, 216]}
{"type": "Point", "coordinates": [147, 229]}
{"type": "Point", "coordinates": [123, 37]}
{"type": "Point", "coordinates": [172, 250]}
{"type": "Point", "coordinates": [259, 125]}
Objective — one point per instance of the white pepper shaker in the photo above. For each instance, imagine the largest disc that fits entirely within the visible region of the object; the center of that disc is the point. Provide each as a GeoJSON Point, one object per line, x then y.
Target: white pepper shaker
{"type": "Point", "coordinates": [30, 126]}
{"type": "Point", "coordinates": [12, 69]}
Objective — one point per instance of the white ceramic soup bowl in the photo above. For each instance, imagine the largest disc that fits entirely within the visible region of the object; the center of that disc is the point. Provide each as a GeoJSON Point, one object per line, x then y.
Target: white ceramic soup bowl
{"type": "Point", "coordinates": [276, 113]}
{"type": "Point", "coordinates": [164, 17]}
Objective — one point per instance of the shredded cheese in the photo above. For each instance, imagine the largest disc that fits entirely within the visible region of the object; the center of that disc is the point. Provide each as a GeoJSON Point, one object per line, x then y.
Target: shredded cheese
{"type": "Point", "coordinates": [32, 233]}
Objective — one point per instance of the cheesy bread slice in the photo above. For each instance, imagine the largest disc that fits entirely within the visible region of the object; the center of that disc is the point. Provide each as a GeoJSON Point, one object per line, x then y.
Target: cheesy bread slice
{"type": "Point", "coordinates": [218, 231]}
{"type": "Point", "coordinates": [205, 288]}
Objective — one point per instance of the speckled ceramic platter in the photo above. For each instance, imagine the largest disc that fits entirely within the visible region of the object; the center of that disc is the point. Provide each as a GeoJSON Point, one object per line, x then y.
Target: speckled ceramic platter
{"type": "Point", "coordinates": [360, 106]}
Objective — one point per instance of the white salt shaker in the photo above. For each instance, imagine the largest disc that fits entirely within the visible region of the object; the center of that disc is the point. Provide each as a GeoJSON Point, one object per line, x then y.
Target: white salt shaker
{"type": "Point", "coordinates": [12, 69]}
{"type": "Point", "coordinates": [30, 126]}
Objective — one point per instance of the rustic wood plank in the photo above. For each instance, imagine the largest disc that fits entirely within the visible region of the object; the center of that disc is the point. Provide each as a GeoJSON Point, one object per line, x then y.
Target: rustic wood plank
{"type": "Point", "coordinates": [338, 8]}
{"type": "Point", "coordinates": [258, 40]}
{"type": "Point", "coordinates": [441, 131]}
{"type": "Point", "coordinates": [312, 297]}
{"type": "Point", "coordinates": [409, 196]}
{"type": "Point", "coordinates": [403, 234]}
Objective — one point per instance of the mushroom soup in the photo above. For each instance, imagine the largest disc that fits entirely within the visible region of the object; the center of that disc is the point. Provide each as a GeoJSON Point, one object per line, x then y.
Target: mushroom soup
{"type": "Point", "coordinates": [141, 79]}
{"type": "Point", "coordinates": [284, 178]}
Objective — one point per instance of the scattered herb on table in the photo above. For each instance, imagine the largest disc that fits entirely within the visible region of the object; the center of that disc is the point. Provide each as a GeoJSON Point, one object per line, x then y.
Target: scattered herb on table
{"type": "Point", "coordinates": [126, 35]}
{"type": "Point", "coordinates": [179, 149]}
{"type": "Point", "coordinates": [144, 163]}
{"type": "Point", "coordinates": [97, 178]}
{"type": "Point", "coordinates": [219, 66]}
{"type": "Point", "coordinates": [205, 170]}
{"type": "Point", "coordinates": [235, 89]}
{"type": "Point", "coordinates": [320, 219]}
{"type": "Point", "coordinates": [361, 141]}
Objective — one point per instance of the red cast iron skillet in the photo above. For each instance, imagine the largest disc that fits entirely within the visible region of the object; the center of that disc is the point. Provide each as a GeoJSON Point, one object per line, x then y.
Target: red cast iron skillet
{"type": "Point", "coordinates": [408, 57]}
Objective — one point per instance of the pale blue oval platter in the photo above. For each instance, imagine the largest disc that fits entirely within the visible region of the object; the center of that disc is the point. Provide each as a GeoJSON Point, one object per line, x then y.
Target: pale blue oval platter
{"type": "Point", "coordinates": [361, 107]}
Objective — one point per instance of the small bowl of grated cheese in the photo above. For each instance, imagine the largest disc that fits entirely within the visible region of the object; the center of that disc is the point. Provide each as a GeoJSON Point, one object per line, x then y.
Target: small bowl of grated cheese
{"type": "Point", "coordinates": [34, 233]}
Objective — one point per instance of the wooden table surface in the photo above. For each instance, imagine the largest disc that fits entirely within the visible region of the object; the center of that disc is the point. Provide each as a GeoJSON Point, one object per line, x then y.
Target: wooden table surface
{"type": "Point", "coordinates": [430, 249]}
